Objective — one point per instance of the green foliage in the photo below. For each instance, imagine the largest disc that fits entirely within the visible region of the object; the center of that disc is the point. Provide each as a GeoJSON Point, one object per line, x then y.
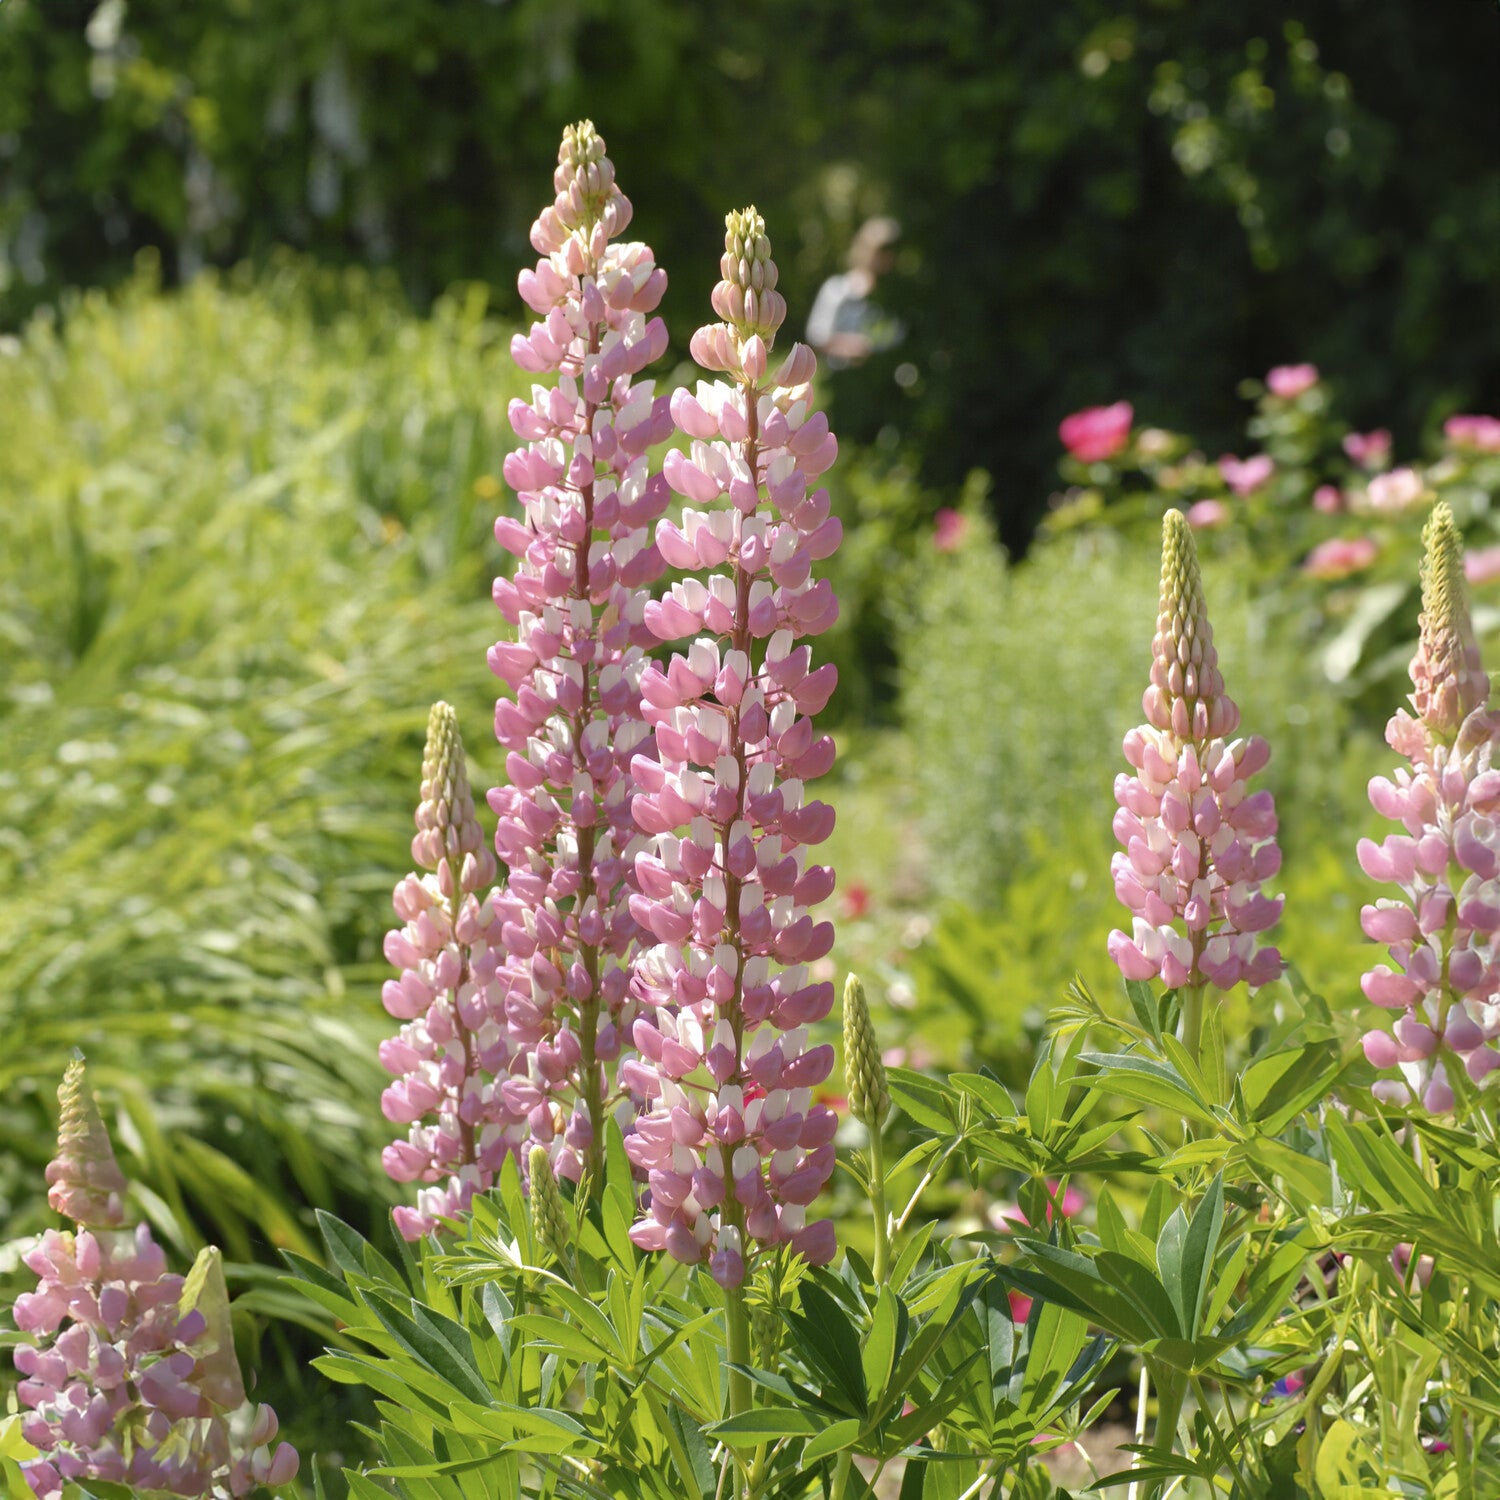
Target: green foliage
{"type": "Point", "coordinates": [1152, 196]}
{"type": "Point", "coordinates": [243, 554]}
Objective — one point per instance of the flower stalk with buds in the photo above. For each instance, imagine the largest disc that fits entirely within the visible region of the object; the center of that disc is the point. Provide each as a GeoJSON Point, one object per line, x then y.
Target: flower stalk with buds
{"type": "Point", "coordinates": [734, 1147]}
{"type": "Point", "coordinates": [451, 998]}
{"type": "Point", "coordinates": [870, 1104]}
{"type": "Point", "coordinates": [1197, 842]}
{"type": "Point", "coordinates": [577, 600]}
{"type": "Point", "coordinates": [133, 1379]}
{"type": "Point", "coordinates": [1442, 931]}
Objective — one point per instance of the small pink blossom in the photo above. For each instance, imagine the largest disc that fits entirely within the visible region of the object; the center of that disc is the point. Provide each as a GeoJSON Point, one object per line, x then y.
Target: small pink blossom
{"type": "Point", "coordinates": [1328, 499]}
{"type": "Point", "coordinates": [1483, 566]}
{"type": "Point", "coordinates": [1479, 432]}
{"type": "Point", "coordinates": [1393, 493]}
{"type": "Point", "coordinates": [1207, 515]}
{"type": "Point", "coordinates": [1244, 475]}
{"type": "Point", "coordinates": [1339, 556]}
{"type": "Point", "coordinates": [1287, 382]}
{"type": "Point", "coordinates": [949, 528]}
{"type": "Point", "coordinates": [1097, 432]}
{"type": "Point", "coordinates": [1370, 450]}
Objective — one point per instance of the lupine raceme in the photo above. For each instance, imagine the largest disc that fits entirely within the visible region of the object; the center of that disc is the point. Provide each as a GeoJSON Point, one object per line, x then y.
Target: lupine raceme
{"type": "Point", "coordinates": [450, 996]}
{"type": "Point", "coordinates": [585, 558]}
{"type": "Point", "coordinates": [1197, 842]}
{"type": "Point", "coordinates": [734, 1147]}
{"type": "Point", "coordinates": [133, 1378]}
{"type": "Point", "coordinates": [1441, 931]}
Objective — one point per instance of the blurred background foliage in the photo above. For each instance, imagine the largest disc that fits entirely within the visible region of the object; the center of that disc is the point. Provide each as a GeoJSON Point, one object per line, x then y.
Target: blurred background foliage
{"type": "Point", "coordinates": [246, 494]}
{"type": "Point", "coordinates": [1153, 197]}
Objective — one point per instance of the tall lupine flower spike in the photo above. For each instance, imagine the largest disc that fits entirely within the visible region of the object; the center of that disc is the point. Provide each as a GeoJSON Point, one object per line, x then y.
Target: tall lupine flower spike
{"type": "Point", "coordinates": [585, 560]}
{"type": "Point", "coordinates": [133, 1378]}
{"type": "Point", "coordinates": [734, 1147]}
{"type": "Point", "coordinates": [1197, 843]}
{"type": "Point", "coordinates": [1442, 932]}
{"type": "Point", "coordinates": [451, 997]}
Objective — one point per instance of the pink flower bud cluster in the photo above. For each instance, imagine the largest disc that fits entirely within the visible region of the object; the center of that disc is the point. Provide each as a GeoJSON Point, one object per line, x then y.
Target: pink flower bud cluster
{"type": "Point", "coordinates": [734, 1148]}
{"type": "Point", "coordinates": [129, 1382]}
{"type": "Point", "coordinates": [585, 559]}
{"type": "Point", "coordinates": [1198, 843]}
{"type": "Point", "coordinates": [1442, 932]}
{"type": "Point", "coordinates": [450, 997]}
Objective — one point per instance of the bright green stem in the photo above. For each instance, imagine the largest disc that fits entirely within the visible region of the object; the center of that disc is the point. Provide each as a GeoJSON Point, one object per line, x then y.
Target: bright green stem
{"type": "Point", "coordinates": [737, 1326]}
{"type": "Point", "coordinates": [1192, 1020]}
{"type": "Point", "coordinates": [1171, 1390]}
{"type": "Point", "coordinates": [878, 1207]}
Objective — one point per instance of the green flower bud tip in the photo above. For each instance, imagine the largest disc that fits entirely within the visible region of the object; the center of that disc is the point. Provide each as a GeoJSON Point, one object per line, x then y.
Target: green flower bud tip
{"type": "Point", "coordinates": [448, 832]}
{"type": "Point", "coordinates": [548, 1219]}
{"type": "Point", "coordinates": [1446, 673]}
{"type": "Point", "coordinates": [864, 1072]}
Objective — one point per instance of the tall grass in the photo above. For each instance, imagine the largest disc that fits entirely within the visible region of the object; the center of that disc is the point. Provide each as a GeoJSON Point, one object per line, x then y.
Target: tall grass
{"type": "Point", "coordinates": [244, 542]}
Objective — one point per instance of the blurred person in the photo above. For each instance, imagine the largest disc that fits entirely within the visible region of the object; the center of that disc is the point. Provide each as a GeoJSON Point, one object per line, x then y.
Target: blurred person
{"type": "Point", "coordinates": [845, 323]}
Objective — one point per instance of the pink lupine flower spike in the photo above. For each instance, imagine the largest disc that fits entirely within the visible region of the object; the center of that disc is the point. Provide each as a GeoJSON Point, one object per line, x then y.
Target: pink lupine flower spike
{"type": "Point", "coordinates": [735, 1148]}
{"type": "Point", "coordinates": [585, 559]}
{"type": "Point", "coordinates": [1442, 931]}
{"type": "Point", "coordinates": [1198, 843]}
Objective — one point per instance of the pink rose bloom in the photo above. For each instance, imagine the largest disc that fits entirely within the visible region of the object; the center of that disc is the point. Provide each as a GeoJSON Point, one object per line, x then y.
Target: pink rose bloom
{"type": "Point", "coordinates": [1482, 566]}
{"type": "Point", "coordinates": [1479, 432]}
{"type": "Point", "coordinates": [1328, 499]}
{"type": "Point", "coordinates": [1289, 381]}
{"type": "Point", "coordinates": [1097, 432]}
{"type": "Point", "coordinates": [1397, 491]}
{"type": "Point", "coordinates": [1370, 450]}
{"type": "Point", "coordinates": [1207, 514]}
{"type": "Point", "coordinates": [1243, 475]}
{"type": "Point", "coordinates": [1339, 557]}
{"type": "Point", "coordinates": [949, 528]}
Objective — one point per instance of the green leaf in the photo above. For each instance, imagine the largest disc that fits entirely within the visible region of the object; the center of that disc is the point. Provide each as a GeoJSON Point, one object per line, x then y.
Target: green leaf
{"type": "Point", "coordinates": [1184, 1255]}
{"type": "Point", "coordinates": [831, 1440]}
{"type": "Point", "coordinates": [749, 1429]}
{"type": "Point", "coordinates": [925, 1099]}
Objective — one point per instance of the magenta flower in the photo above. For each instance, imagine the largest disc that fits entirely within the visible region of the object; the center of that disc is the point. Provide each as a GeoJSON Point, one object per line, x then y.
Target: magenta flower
{"type": "Point", "coordinates": [735, 1148]}
{"type": "Point", "coordinates": [451, 997]}
{"type": "Point", "coordinates": [1338, 557]}
{"type": "Point", "coordinates": [949, 529]}
{"type": "Point", "coordinates": [1370, 450]}
{"type": "Point", "coordinates": [1197, 842]}
{"type": "Point", "coordinates": [577, 602]}
{"type": "Point", "coordinates": [133, 1379]}
{"type": "Point", "coordinates": [1245, 475]}
{"type": "Point", "coordinates": [1480, 433]}
{"type": "Point", "coordinates": [1441, 932]}
{"type": "Point", "coordinates": [1287, 382]}
{"type": "Point", "coordinates": [1097, 432]}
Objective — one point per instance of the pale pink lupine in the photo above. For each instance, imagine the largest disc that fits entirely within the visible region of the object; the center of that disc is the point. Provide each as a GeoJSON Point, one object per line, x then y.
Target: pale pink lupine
{"type": "Point", "coordinates": [585, 559]}
{"type": "Point", "coordinates": [1395, 492]}
{"type": "Point", "coordinates": [1287, 382]}
{"type": "Point", "coordinates": [1246, 475]}
{"type": "Point", "coordinates": [451, 997]}
{"type": "Point", "coordinates": [1442, 932]}
{"type": "Point", "coordinates": [734, 1146]}
{"type": "Point", "coordinates": [1370, 450]}
{"type": "Point", "coordinates": [1206, 515]}
{"type": "Point", "coordinates": [1481, 433]}
{"type": "Point", "coordinates": [1482, 566]}
{"type": "Point", "coordinates": [1339, 556]}
{"type": "Point", "coordinates": [1197, 842]}
{"type": "Point", "coordinates": [133, 1378]}
{"type": "Point", "coordinates": [1328, 499]}
{"type": "Point", "coordinates": [1097, 432]}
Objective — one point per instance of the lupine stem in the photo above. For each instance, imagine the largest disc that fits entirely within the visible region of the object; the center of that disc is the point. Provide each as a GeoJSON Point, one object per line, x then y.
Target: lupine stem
{"type": "Point", "coordinates": [878, 1207]}
{"type": "Point", "coordinates": [1192, 1019]}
